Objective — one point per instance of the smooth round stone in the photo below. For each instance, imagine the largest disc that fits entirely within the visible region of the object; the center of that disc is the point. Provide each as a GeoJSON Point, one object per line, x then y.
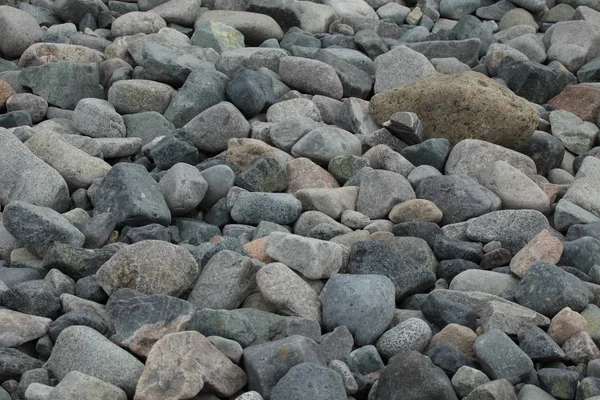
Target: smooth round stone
{"type": "Point", "coordinates": [301, 73]}
{"type": "Point", "coordinates": [380, 191]}
{"type": "Point", "coordinates": [34, 105]}
{"type": "Point", "coordinates": [284, 110]}
{"type": "Point", "coordinates": [97, 118]}
{"type": "Point", "coordinates": [326, 384]}
{"type": "Point", "coordinates": [456, 9]}
{"type": "Point", "coordinates": [178, 12]}
{"type": "Point", "coordinates": [412, 334]}
{"type": "Point", "coordinates": [400, 66]}
{"type": "Point", "coordinates": [416, 210]}
{"type": "Point", "coordinates": [137, 22]}
{"type": "Point", "coordinates": [18, 30]}
{"type": "Point", "coordinates": [517, 16]}
{"type": "Point", "coordinates": [255, 27]}
{"type": "Point", "coordinates": [139, 95]}
{"type": "Point", "coordinates": [183, 188]}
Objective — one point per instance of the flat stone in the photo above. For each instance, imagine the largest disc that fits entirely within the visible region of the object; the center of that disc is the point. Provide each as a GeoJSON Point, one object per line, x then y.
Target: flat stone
{"type": "Point", "coordinates": [332, 202]}
{"type": "Point", "coordinates": [509, 318]}
{"type": "Point", "coordinates": [484, 281]}
{"type": "Point", "coordinates": [567, 214]}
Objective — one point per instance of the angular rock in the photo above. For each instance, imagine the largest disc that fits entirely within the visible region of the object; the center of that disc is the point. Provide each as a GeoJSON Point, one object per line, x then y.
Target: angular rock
{"type": "Point", "coordinates": [538, 345]}
{"type": "Point", "coordinates": [543, 247]}
{"type": "Point", "coordinates": [18, 328]}
{"type": "Point", "coordinates": [509, 318]}
{"type": "Point", "coordinates": [76, 384]}
{"type": "Point", "coordinates": [501, 358]}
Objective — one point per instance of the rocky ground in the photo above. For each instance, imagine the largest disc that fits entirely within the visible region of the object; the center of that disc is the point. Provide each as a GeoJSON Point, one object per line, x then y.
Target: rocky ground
{"type": "Point", "coordinates": [295, 200]}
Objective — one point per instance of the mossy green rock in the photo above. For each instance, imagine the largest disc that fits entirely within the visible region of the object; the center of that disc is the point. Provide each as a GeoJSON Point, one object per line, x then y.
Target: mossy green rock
{"type": "Point", "coordinates": [217, 35]}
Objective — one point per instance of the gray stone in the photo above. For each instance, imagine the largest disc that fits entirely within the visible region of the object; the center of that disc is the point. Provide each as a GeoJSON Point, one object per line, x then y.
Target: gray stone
{"type": "Point", "coordinates": [362, 303]}
{"type": "Point", "coordinates": [131, 194]}
{"type": "Point", "coordinates": [577, 135]}
{"type": "Point", "coordinates": [456, 9]}
{"type": "Point", "coordinates": [255, 27]}
{"type": "Point", "coordinates": [265, 366]}
{"type": "Point", "coordinates": [78, 385]}
{"type": "Point", "coordinates": [137, 22]}
{"type": "Point", "coordinates": [513, 228]}
{"type": "Point", "coordinates": [251, 91]}
{"type": "Point", "coordinates": [224, 282]}
{"type": "Point", "coordinates": [538, 345]}
{"type": "Point", "coordinates": [217, 35]}
{"type": "Point", "coordinates": [140, 320]}
{"type": "Point", "coordinates": [400, 66]}
{"type": "Point", "coordinates": [495, 390]}
{"type": "Point", "coordinates": [466, 379]}
{"type": "Point", "coordinates": [547, 289]}
{"type": "Point", "coordinates": [28, 178]}
{"type": "Point", "coordinates": [80, 348]}
{"type": "Point", "coordinates": [63, 84]}
{"type": "Point", "coordinates": [76, 262]}
{"type": "Point", "coordinates": [183, 188]}
{"type": "Point", "coordinates": [509, 317]}
{"type": "Point", "coordinates": [566, 37]}
{"type": "Point", "coordinates": [156, 267]}
{"type": "Point", "coordinates": [330, 201]}
{"type": "Point", "coordinates": [501, 358]}
{"type": "Point", "coordinates": [19, 30]}
{"type": "Point", "coordinates": [19, 328]}
{"type": "Point", "coordinates": [34, 105]}
{"type": "Point", "coordinates": [325, 384]}
{"type": "Point", "coordinates": [178, 12]}
{"type": "Point", "coordinates": [38, 227]}
{"type": "Point", "coordinates": [285, 134]}
{"type": "Point", "coordinates": [252, 208]}
{"type": "Point", "coordinates": [412, 334]}
{"type": "Point", "coordinates": [98, 118]}
{"type": "Point", "coordinates": [380, 191]}
{"type": "Point", "coordinates": [139, 95]}
{"type": "Point", "coordinates": [286, 109]}
{"type": "Point", "coordinates": [384, 157]}
{"type": "Point", "coordinates": [484, 281]}
{"type": "Point", "coordinates": [355, 82]}
{"type": "Point", "coordinates": [75, 10]}
{"type": "Point", "coordinates": [147, 125]}
{"type": "Point", "coordinates": [13, 363]}
{"type": "Point", "coordinates": [322, 144]}
{"type": "Point", "coordinates": [250, 57]}
{"type": "Point", "coordinates": [310, 76]}
{"type": "Point", "coordinates": [583, 192]}
{"type": "Point", "coordinates": [336, 345]}
{"type": "Point", "coordinates": [532, 392]}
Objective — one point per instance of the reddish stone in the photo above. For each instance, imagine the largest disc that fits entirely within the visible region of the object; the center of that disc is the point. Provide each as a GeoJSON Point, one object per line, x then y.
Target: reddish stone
{"type": "Point", "coordinates": [256, 249]}
{"type": "Point", "coordinates": [551, 191]}
{"type": "Point", "coordinates": [581, 100]}
{"type": "Point", "coordinates": [6, 91]}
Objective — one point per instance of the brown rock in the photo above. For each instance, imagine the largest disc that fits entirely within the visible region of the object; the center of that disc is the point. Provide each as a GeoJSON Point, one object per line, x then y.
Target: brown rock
{"type": "Point", "coordinates": [302, 173]}
{"type": "Point", "coordinates": [416, 210]}
{"type": "Point", "coordinates": [566, 324]}
{"type": "Point", "coordinates": [543, 247]}
{"type": "Point", "coordinates": [256, 249]}
{"type": "Point", "coordinates": [181, 364]}
{"type": "Point", "coordinates": [580, 348]}
{"type": "Point", "coordinates": [6, 91]}
{"type": "Point", "coordinates": [460, 336]}
{"type": "Point", "coordinates": [461, 106]}
{"type": "Point", "coordinates": [241, 152]}
{"type": "Point", "coordinates": [581, 100]}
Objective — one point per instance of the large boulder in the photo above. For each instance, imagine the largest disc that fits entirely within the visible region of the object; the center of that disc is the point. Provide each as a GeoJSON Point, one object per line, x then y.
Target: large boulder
{"type": "Point", "coordinates": [488, 110]}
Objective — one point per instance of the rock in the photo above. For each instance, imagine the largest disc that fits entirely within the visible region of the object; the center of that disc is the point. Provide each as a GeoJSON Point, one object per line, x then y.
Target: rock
{"type": "Point", "coordinates": [566, 324]}
{"type": "Point", "coordinates": [38, 227]}
{"type": "Point", "coordinates": [19, 30]}
{"type": "Point", "coordinates": [459, 198]}
{"type": "Point", "coordinates": [398, 67]}
{"type": "Point", "coordinates": [183, 188]}
{"type": "Point", "coordinates": [581, 253]}
{"type": "Point", "coordinates": [180, 12]}
{"type": "Point", "coordinates": [80, 348]}
{"type": "Point", "coordinates": [380, 191]}
{"type": "Point", "coordinates": [217, 35]}
{"type": "Point", "coordinates": [211, 129]}
{"type": "Point", "coordinates": [404, 376]}
{"type": "Point", "coordinates": [582, 192]}
{"type": "Point", "coordinates": [140, 95]}
{"type": "Point", "coordinates": [567, 214]}
{"type": "Point", "coordinates": [466, 50]}
{"type": "Point", "coordinates": [130, 193]}
{"type": "Point", "coordinates": [250, 57]}
{"type": "Point", "coordinates": [80, 316]}
{"type": "Point", "coordinates": [35, 182]}
{"type": "Point", "coordinates": [576, 36]}
{"type": "Point", "coordinates": [15, 363]}
{"type": "Point", "coordinates": [513, 228]}
{"type": "Point", "coordinates": [457, 9]}
{"type": "Point", "coordinates": [63, 84]}
{"type": "Point", "coordinates": [560, 290]}
{"type": "Point", "coordinates": [362, 303]}
{"type": "Point", "coordinates": [412, 334]}
{"type": "Point", "coordinates": [34, 105]}
{"type": "Point", "coordinates": [332, 202]}
{"type": "Point", "coordinates": [43, 53]}
{"type": "Point", "coordinates": [137, 22]}
{"type": "Point", "coordinates": [251, 91]}
{"type": "Point", "coordinates": [75, 10]}
{"type": "Point", "coordinates": [98, 118]}
{"type": "Point", "coordinates": [325, 383]}
{"type": "Point", "coordinates": [355, 82]}
{"type": "Point", "coordinates": [313, 258]}
{"type": "Point", "coordinates": [147, 126]}
{"type": "Point", "coordinates": [168, 269]}
{"type": "Point", "coordinates": [442, 311]}
{"type": "Point", "coordinates": [580, 348]}
{"type": "Point", "coordinates": [252, 208]}
{"type": "Point", "coordinates": [501, 358]}
{"type": "Point", "coordinates": [509, 317]}
{"type": "Point", "coordinates": [559, 383]}
{"type": "Point", "coordinates": [512, 119]}
{"type": "Point", "coordinates": [76, 384]}
{"type": "Point", "coordinates": [538, 345]}
{"type": "Point", "coordinates": [516, 17]}
{"type": "Point", "coordinates": [578, 136]}
{"type": "Point", "coordinates": [543, 247]}
{"type": "Point", "coordinates": [299, 73]}
{"type": "Point", "coordinates": [195, 361]}
{"type": "Point", "coordinates": [498, 389]}
{"type": "Point", "coordinates": [19, 328]}
{"type": "Point", "coordinates": [255, 27]}
{"type": "Point", "coordinates": [322, 144]}
{"type": "Point", "coordinates": [265, 365]}
{"type": "Point", "coordinates": [466, 379]}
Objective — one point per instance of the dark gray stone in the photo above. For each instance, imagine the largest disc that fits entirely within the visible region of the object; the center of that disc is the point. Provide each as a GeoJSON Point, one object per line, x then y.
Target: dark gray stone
{"type": "Point", "coordinates": [296, 326]}
{"type": "Point", "coordinates": [448, 269]}
{"type": "Point", "coordinates": [13, 276]}
{"type": "Point", "coordinates": [131, 194]}
{"type": "Point", "coordinates": [336, 345]}
{"type": "Point", "coordinates": [404, 378]}
{"type": "Point", "coordinates": [34, 297]}
{"type": "Point", "coordinates": [446, 248]}
{"type": "Point", "coordinates": [325, 384]}
{"type": "Point", "coordinates": [545, 150]}
{"type": "Point", "coordinates": [344, 167]}
{"type": "Point", "coordinates": [131, 235]}
{"type": "Point", "coordinates": [38, 227]}
{"type": "Point", "coordinates": [356, 82]}
{"type": "Point", "coordinates": [466, 51]}
{"type": "Point", "coordinates": [375, 257]}
{"type": "Point", "coordinates": [75, 262]}
{"type": "Point", "coordinates": [547, 289]}
{"type": "Point", "coordinates": [370, 43]}
{"type": "Point", "coordinates": [81, 316]}
{"type": "Point", "coordinates": [538, 345]}
{"type": "Point", "coordinates": [88, 288]}
{"type": "Point", "coordinates": [449, 358]}
{"type": "Point", "coordinates": [469, 27]}
{"type": "Point", "coordinates": [14, 119]}
{"type": "Point", "coordinates": [560, 383]}
{"type": "Point", "coordinates": [580, 230]}
{"type": "Point", "coordinates": [173, 149]}
{"type": "Point", "coordinates": [589, 72]}
{"type": "Point", "coordinates": [582, 253]}
{"type": "Point", "coordinates": [424, 230]}
{"type": "Point", "coordinates": [263, 175]}
{"type": "Point", "coordinates": [252, 207]}
{"type": "Point", "coordinates": [147, 125]}
{"type": "Point", "coordinates": [96, 229]}
{"type": "Point", "coordinates": [13, 363]}
{"type": "Point", "coordinates": [440, 310]}
{"type": "Point", "coordinates": [458, 197]}
{"type": "Point", "coordinates": [195, 232]}
{"type": "Point", "coordinates": [220, 179]}
{"type": "Point", "coordinates": [251, 91]}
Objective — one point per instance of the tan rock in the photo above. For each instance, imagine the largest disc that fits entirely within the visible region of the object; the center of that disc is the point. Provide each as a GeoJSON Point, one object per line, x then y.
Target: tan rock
{"type": "Point", "coordinates": [44, 53]}
{"type": "Point", "coordinates": [543, 247]}
{"type": "Point", "coordinates": [181, 364]}
{"type": "Point", "coordinates": [566, 324]}
{"type": "Point", "coordinates": [6, 91]}
{"type": "Point", "coordinates": [460, 336]}
{"type": "Point", "coordinates": [416, 210]}
{"type": "Point", "coordinates": [461, 106]}
{"type": "Point", "coordinates": [302, 173]}
{"type": "Point", "coordinates": [241, 152]}
{"type": "Point", "coordinates": [256, 249]}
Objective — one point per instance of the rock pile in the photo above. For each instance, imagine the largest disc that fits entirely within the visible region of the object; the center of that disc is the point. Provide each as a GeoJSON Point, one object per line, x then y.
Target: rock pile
{"type": "Point", "coordinates": [289, 200]}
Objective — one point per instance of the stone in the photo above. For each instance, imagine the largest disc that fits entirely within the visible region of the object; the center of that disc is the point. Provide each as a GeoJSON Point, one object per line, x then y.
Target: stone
{"type": "Point", "coordinates": [412, 334]}
{"type": "Point", "coordinates": [465, 50]}
{"type": "Point", "coordinates": [322, 144]}
{"type": "Point", "coordinates": [19, 328]}
{"type": "Point", "coordinates": [501, 358]}
{"type": "Point", "coordinates": [582, 192]}
{"type": "Point", "coordinates": [183, 188]}
{"type": "Point", "coordinates": [560, 290]}
{"type": "Point", "coordinates": [195, 362]}
{"type": "Point", "coordinates": [398, 67]}
{"type": "Point", "coordinates": [498, 389]}
{"type": "Point", "coordinates": [15, 363]}
{"type": "Point", "coordinates": [63, 84]}
{"type": "Point", "coordinates": [34, 105]}
{"type": "Point", "coordinates": [516, 17]}
{"type": "Point", "coordinates": [457, 9]}
{"type": "Point", "coordinates": [543, 247]}
{"type": "Point", "coordinates": [355, 82]}
{"type": "Point", "coordinates": [404, 376]}
{"type": "Point", "coordinates": [137, 22]}
{"type": "Point", "coordinates": [169, 269]}
{"type": "Point", "coordinates": [217, 35]}
{"type": "Point", "coordinates": [380, 191]}
{"type": "Point", "coordinates": [567, 214]}
{"type": "Point", "coordinates": [82, 349]}
{"type": "Point", "coordinates": [302, 173]}
{"type": "Point", "coordinates": [458, 197]}
{"type": "Point", "coordinates": [509, 318]}
{"type": "Point", "coordinates": [19, 30]}
{"type": "Point", "coordinates": [147, 126]}
{"type": "Point", "coordinates": [265, 365]}
{"type": "Point", "coordinates": [76, 384]}
{"type": "Point", "coordinates": [255, 27]}
{"type": "Point", "coordinates": [578, 35]}
{"type": "Point", "coordinates": [225, 282]}
{"type": "Point", "coordinates": [442, 311]}
{"type": "Point", "coordinates": [362, 303]}
{"type": "Point", "coordinates": [545, 150]}
{"type": "Point", "coordinates": [431, 152]}
{"type": "Point", "coordinates": [130, 193]}
{"type": "Point", "coordinates": [252, 208]}
{"type": "Point", "coordinates": [581, 253]}
{"type": "Point", "coordinates": [325, 384]}
{"type": "Point", "coordinates": [580, 348]}
{"type": "Point", "coordinates": [577, 135]}
{"type": "Point", "coordinates": [211, 129]}
{"type": "Point", "coordinates": [466, 379]}
{"type": "Point", "coordinates": [98, 118]}
{"type": "Point", "coordinates": [299, 73]}
{"type": "Point", "coordinates": [313, 258]}
{"type": "Point", "coordinates": [251, 91]}
{"type": "Point", "coordinates": [461, 89]}
{"type": "Point", "coordinates": [538, 345]}
{"type": "Point", "coordinates": [180, 12]}
{"type": "Point", "coordinates": [566, 324]}
{"type": "Point", "coordinates": [140, 95]}
{"type": "Point", "coordinates": [498, 52]}
{"type": "Point", "coordinates": [75, 10]}
{"type": "Point", "coordinates": [250, 57]}
{"type": "Point", "coordinates": [332, 202]}
{"type": "Point", "coordinates": [43, 53]}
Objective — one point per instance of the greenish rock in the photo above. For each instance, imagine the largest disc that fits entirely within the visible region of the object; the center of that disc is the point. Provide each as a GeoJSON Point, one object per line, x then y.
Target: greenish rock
{"type": "Point", "coordinates": [147, 126]}
{"type": "Point", "coordinates": [217, 35]}
{"type": "Point", "coordinates": [517, 16]}
{"type": "Point", "coordinates": [432, 152]}
{"type": "Point", "coordinates": [344, 167]}
{"type": "Point", "coordinates": [62, 83]}
{"type": "Point", "coordinates": [591, 313]}
{"type": "Point", "coordinates": [263, 175]}
{"type": "Point", "coordinates": [560, 12]}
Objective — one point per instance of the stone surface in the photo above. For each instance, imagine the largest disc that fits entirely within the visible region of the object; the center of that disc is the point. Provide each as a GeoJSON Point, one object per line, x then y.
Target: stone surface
{"type": "Point", "coordinates": [398, 67]}
{"type": "Point", "coordinates": [18, 328]}
{"type": "Point", "coordinates": [325, 384]}
{"type": "Point", "coordinates": [543, 247]}
{"type": "Point", "coordinates": [19, 30]}
{"type": "Point", "coordinates": [79, 385]}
